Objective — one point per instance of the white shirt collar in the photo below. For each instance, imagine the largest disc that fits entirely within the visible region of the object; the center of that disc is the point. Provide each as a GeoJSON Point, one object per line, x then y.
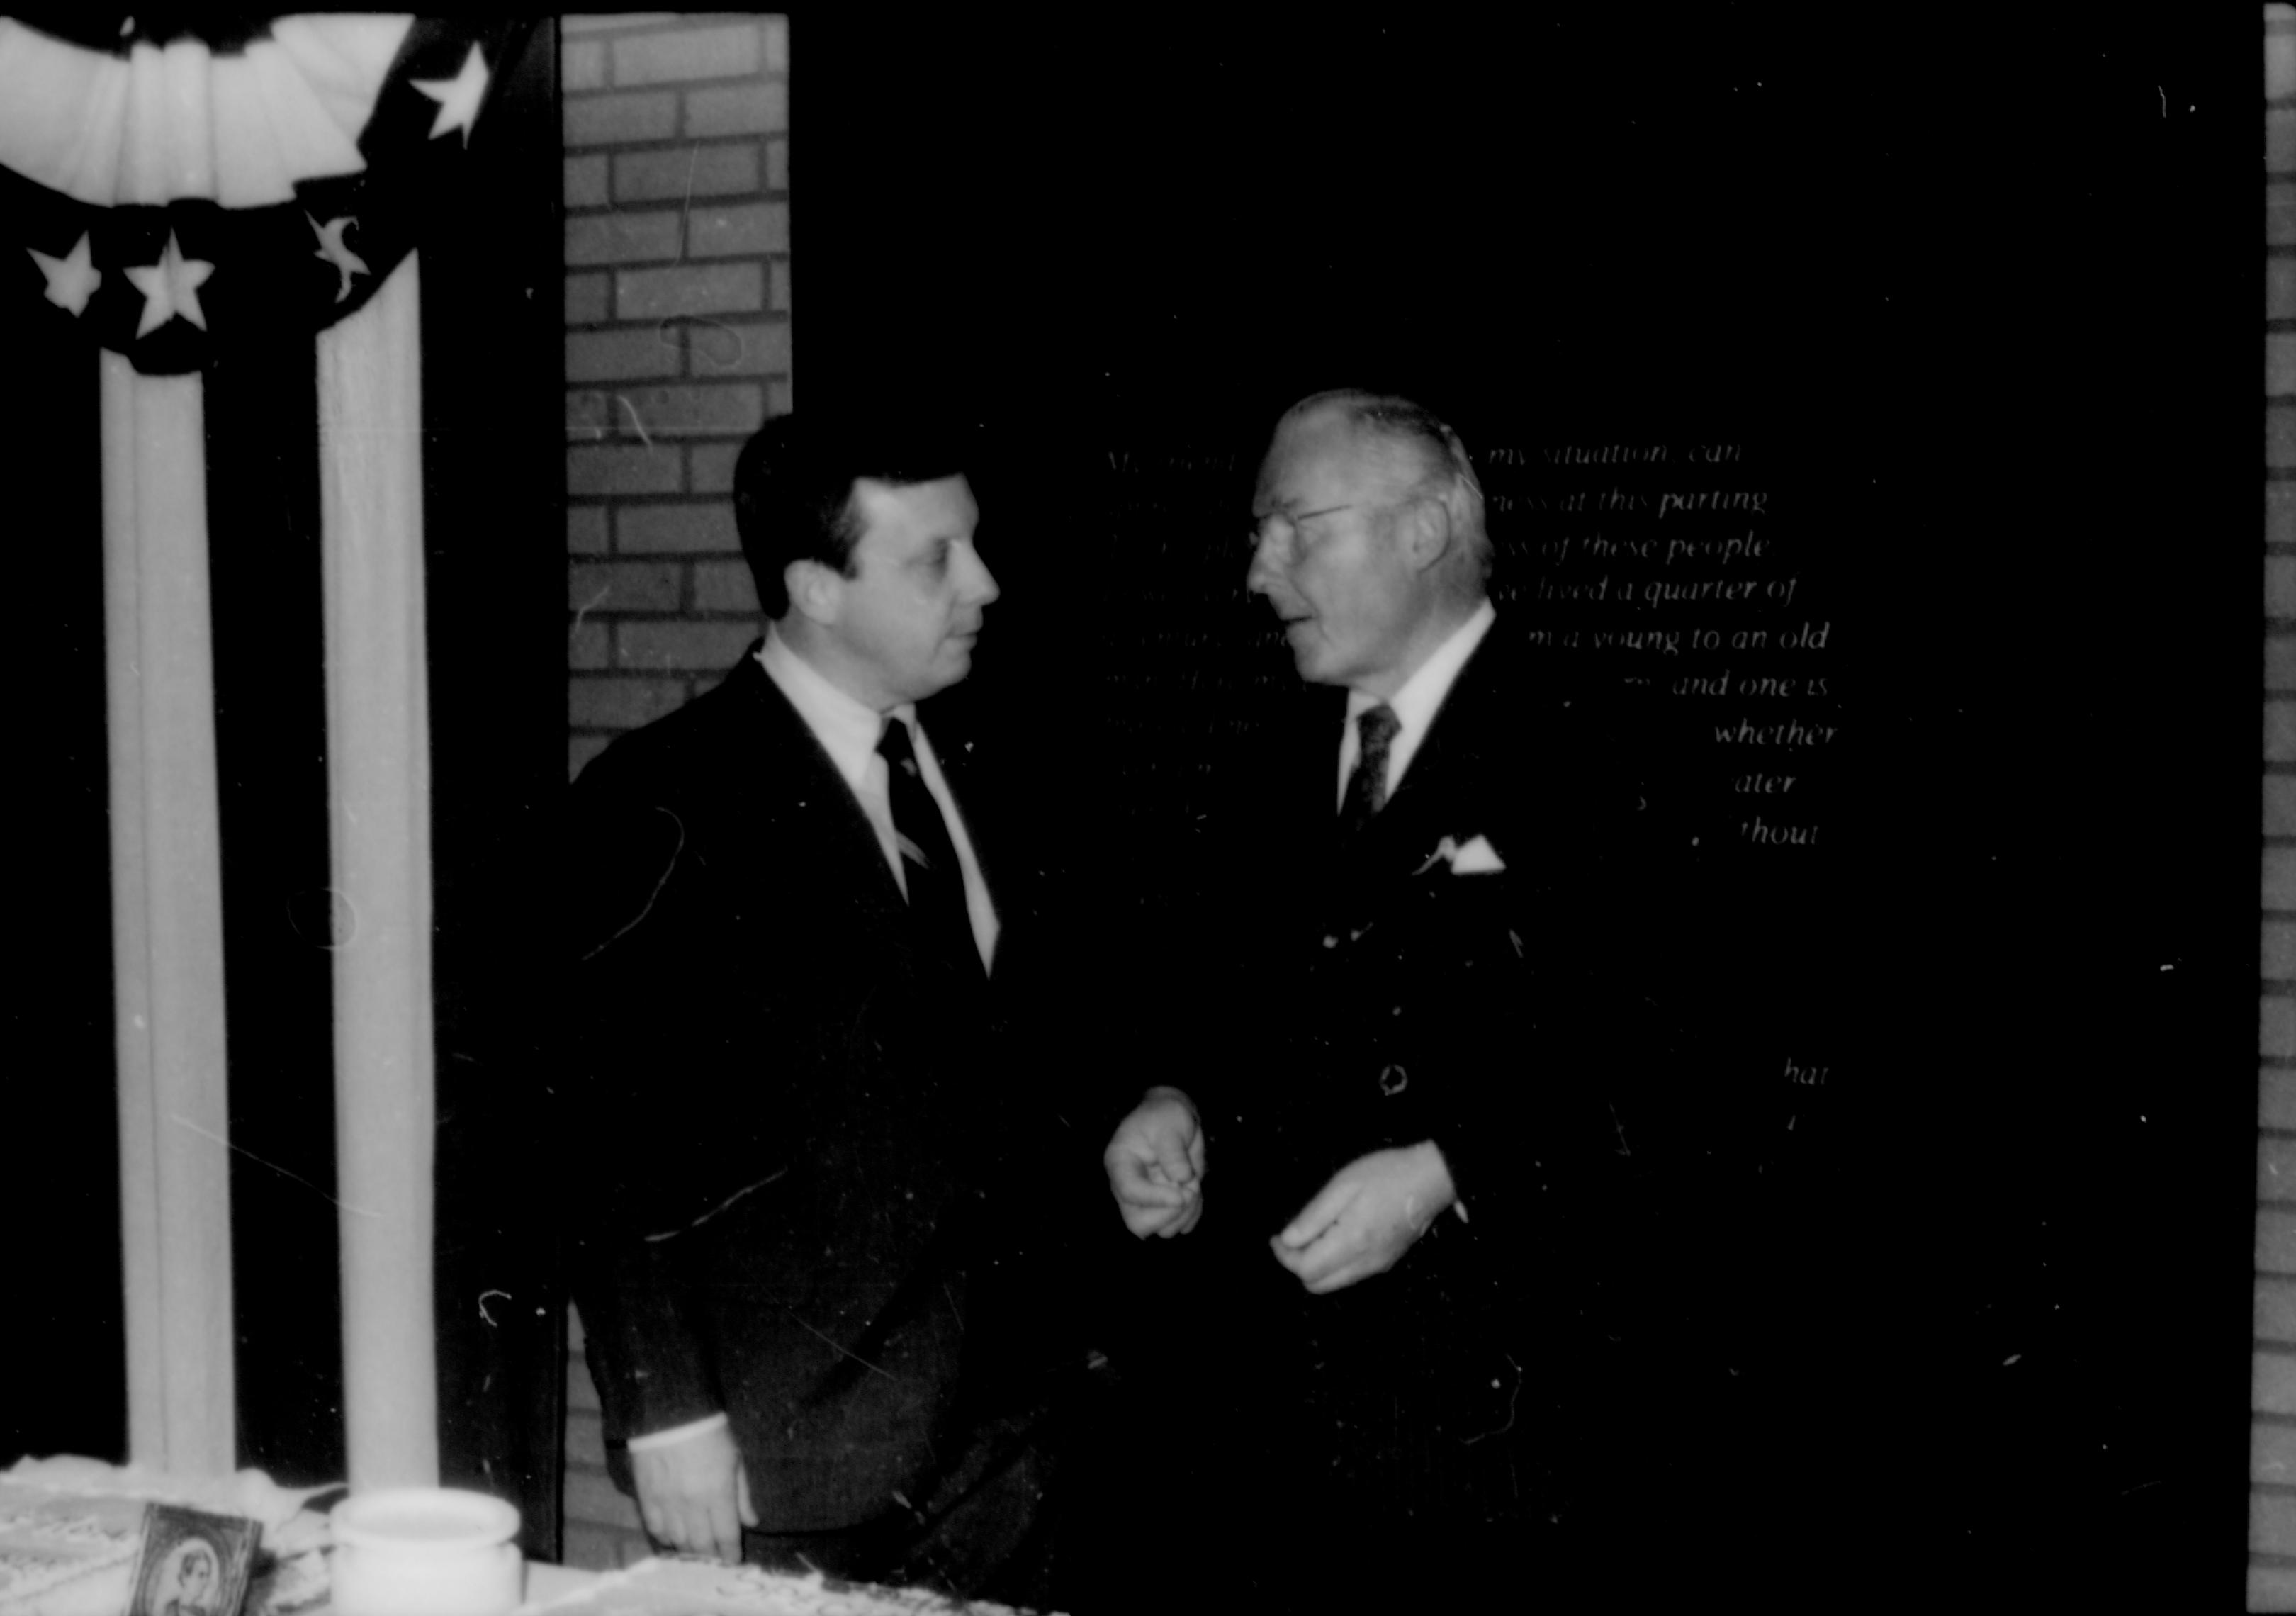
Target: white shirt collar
{"type": "Point", "coordinates": [847, 727]}
{"type": "Point", "coordinates": [1421, 697]}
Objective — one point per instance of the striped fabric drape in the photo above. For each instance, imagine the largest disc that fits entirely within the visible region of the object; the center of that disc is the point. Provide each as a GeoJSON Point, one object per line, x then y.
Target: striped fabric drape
{"type": "Point", "coordinates": [184, 199]}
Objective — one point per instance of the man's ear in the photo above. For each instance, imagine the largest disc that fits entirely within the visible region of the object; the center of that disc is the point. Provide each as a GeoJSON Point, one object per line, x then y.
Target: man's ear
{"type": "Point", "coordinates": [816, 590]}
{"type": "Point", "coordinates": [1425, 532]}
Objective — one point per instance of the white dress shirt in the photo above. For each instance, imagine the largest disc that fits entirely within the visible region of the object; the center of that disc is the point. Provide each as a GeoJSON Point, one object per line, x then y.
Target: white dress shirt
{"type": "Point", "coordinates": [848, 730]}
{"type": "Point", "coordinates": [1415, 704]}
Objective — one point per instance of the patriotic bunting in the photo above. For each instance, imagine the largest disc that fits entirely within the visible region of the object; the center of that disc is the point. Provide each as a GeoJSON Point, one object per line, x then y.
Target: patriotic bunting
{"type": "Point", "coordinates": [169, 187]}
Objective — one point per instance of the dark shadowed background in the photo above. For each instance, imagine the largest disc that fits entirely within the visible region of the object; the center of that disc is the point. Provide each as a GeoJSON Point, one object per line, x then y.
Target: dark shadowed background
{"type": "Point", "coordinates": [1971, 299]}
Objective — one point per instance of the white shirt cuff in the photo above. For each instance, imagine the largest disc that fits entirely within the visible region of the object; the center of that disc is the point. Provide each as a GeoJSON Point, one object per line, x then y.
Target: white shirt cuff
{"type": "Point", "coordinates": [678, 1433]}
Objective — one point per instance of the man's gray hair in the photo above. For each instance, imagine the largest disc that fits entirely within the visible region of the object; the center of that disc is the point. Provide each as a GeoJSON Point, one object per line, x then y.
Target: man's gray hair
{"type": "Point", "coordinates": [1446, 473]}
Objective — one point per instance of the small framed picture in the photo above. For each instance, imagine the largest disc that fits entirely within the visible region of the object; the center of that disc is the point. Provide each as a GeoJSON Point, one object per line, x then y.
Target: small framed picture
{"type": "Point", "coordinates": [193, 1563]}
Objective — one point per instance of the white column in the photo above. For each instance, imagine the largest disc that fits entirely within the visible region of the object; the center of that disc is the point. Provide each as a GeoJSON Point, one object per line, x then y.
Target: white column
{"type": "Point", "coordinates": [167, 908]}
{"type": "Point", "coordinates": [379, 777]}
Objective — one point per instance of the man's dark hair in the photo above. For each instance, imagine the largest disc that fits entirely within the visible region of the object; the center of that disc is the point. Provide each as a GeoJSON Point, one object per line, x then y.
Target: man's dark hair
{"type": "Point", "coordinates": [793, 494]}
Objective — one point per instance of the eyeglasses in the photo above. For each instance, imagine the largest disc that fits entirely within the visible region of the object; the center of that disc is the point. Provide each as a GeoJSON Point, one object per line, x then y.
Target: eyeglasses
{"type": "Point", "coordinates": [1282, 528]}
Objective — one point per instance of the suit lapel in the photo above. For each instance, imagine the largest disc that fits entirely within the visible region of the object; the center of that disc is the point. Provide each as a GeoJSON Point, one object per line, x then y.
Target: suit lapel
{"type": "Point", "coordinates": [956, 749]}
{"type": "Point", "coordinates": [792, 781]}
{"type": "Point", "coordinates": [1472, 741]}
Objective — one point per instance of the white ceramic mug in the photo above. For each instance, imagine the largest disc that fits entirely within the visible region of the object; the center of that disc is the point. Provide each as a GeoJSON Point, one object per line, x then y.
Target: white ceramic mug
{"type": "Point", "coordinates": [424, 1551]}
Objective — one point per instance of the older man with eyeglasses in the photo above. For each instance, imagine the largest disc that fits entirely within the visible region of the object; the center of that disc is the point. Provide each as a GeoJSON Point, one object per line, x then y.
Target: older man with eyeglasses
{"type": "Point", "coordinates": [1412, 1358]}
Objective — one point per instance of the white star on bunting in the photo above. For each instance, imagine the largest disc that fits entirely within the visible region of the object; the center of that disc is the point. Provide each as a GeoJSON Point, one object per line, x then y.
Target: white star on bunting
{"type": "Point", "coordinates": [333, 250]}
{"type": "Point", "coordinates": [457, 97]}
{"type": "Point", "coordinates": [71, 280]}
{"type": "Point", "coordinates": [170, 287]}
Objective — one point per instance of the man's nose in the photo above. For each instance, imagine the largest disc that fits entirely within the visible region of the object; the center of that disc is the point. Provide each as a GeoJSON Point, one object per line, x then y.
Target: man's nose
{"type": "Point", "coordinates": [980, 584]}
{"type": "Point", "coordinates": [1264, 569]}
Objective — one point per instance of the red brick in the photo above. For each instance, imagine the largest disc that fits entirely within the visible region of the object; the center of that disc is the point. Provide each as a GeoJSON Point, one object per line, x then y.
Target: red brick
{"type": "Point", "coordinates": [621, 238]}
{"type": "Point", "coordinates": [2272, 1453]}
{"type": "Point", "coordinates": [2276, 951]}
{"type": "Point", "coordinates": [2280, 732]}
{"type": "Point", "coordinates": [620, 704]}
{"type": "Point", "coordinates": [582, 65]}
{"type": "Point", "coordinates": [626, 587]}
{"type": "Point", "coordinates": [2276, 1172]}
{"type": "Point", "coordinates": [588, 648]}
{"type": "Point", "coordinates": [2276, 1105]}
{"type": "Point", "coordinates": [2280, 512]}
{"type": "Point", "coordinates": [2279, 65]}
{"type": "Point", "coordinates": [585, 530]}
{"type": "Point", "coordinates": [2279, 436]}
{"type": "Point", "coordinates": [2279, 141]}
{"type": "Point", "coordinates": [704, 411]}
{"type": "Point", "coordinates": [777, 44]}
{"type": "Point", "coordinates": [777, 165]}
{"type": "Point", "coordinates": [2279, 274]}
{"type": "Point", "coordinates": [710, 467]}
{"type": "Point", "coordinates": [2271, 1530]}
{"type": "Point", "coordinates": [581, 749]}
{"type": "Point", "coordinates": [623, 469]}
{"type": "Point", "coordinates": [585, 1441]}
{"type": "Point", "coordinates": [727, 50]}
{"type": "Point", "coordinates": [680, 646]}
{"type": "Point", "coordinates": [779, 401]}
{"type": "Point", "coordinates": [607, 120]}
{"type": "Point", "coordinates": [779, 298]}
{"type": "Point", "coordinates": [2276, 1029]}
{"type": "Point", "coordinates": [2275, 1246]}
{"type": "Point", "coordinates": [2280, 586]}
{"type": "Point", "coordinates": [2279, 661]}
{"type": "Point", "coordinates": [2279, 206]}
{"type": "Point", "coordinates": [585, 416]}
{"type": "Point", "coordinates": [2280, 363]}
{"type": "Point", "coordinates": [747, 349]}
{"type": "Point", "coordinates": [676, 530]}
{"type": "Point", "coordinates": [723, 232]}
{"type": "Point", "coordinates": [585, 182]}
{"type": "Point", "coordinates": [695, 288]}
{"type": "Point", "coordinates": [2276, 1312]}
{"type": "Point", "coordinates": [615, 356]}
{"type": "Point", "coordinates": [2279, 809]}
{"type": "Point", "coordinates": [587, 298]}
{"type": "Point", "coordinates": [715, 170]}
{"type": "Point", "coordinates": [745, 109]}
{"type": "Point", "coordinates": [582, 24]}
{"type": "Point", "coordinates": [2280, 879]}
{"type": "Point", "coordinates": [723, 586]}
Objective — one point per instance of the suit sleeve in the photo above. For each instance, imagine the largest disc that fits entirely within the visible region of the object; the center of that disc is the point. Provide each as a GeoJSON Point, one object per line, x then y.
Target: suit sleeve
{"type": "Point", "coordinates": [623, 1134]}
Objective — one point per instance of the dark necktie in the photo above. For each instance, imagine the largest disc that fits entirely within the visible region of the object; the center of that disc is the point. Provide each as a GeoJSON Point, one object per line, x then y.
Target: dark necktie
{"type": "Point", "coordinates": [1366, 791]}
{"type": "Point", "coordinates": [928, 858]}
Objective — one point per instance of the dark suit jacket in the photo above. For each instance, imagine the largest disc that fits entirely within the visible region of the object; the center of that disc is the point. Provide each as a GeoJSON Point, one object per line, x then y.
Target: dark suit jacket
{"type": "Point", "coordinates": [793, 1131]}
{"type": "Point", "coordinates": [1396, 1001]}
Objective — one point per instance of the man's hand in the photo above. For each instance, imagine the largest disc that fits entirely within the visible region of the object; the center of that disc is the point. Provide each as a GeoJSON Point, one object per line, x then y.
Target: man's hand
{"type": "Point", "coordinates": [694, 1494]}
{"type": "Point", "coordinates": [1155, 1164]}
{"type": "Point", "coordinates": [1364, 1219]}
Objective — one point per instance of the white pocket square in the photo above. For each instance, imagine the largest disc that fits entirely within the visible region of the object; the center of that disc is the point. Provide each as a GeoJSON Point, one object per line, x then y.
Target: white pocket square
{"type": "Point", "coordinates": [1477, 857]}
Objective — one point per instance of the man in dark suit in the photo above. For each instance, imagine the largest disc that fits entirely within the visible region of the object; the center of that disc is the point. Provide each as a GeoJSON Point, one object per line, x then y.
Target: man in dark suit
{"type": "Point", "coordinates": [799, 904]}
{"type": "Point", "coordinates": [1407, 1316]}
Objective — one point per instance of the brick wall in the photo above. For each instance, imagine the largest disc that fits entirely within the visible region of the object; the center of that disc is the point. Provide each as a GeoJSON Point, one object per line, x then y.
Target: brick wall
{"type": "Point", "coordinates": [2272, 1461]}
{"type": "Point", "coordinates": [602, 1525]}
{"type": "Point", "coordinates": [677, 346]}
